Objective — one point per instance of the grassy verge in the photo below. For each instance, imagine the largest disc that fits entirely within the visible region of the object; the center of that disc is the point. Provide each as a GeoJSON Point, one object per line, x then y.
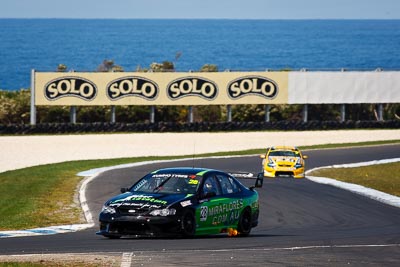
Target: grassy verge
{"type": "Point", "coordinates": [61, 260]}
{"type": "Point", "coordinates": [50, 263]}
{"type": "Point", "coordinates": [382, 177]}
{"type": "Point", "coordinates": [44, 195]}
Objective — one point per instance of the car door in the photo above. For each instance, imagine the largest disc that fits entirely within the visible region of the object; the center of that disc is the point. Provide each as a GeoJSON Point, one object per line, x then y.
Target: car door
{"type": "Point", "coordinates": [216, 210]}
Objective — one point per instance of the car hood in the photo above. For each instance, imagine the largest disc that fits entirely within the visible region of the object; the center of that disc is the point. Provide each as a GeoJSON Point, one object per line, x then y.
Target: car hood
{"type": "Point", "coordinates": [150, 200]}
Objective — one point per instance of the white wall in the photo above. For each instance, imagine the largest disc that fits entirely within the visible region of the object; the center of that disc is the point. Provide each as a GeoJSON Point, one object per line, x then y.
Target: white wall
{"type": "Point", "coordinates": [344, 87]}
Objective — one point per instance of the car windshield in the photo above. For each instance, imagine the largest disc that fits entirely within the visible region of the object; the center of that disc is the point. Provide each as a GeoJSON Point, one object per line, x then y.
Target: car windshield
{"type": "Point", "coordinates": [284, 153]}
{"type": "Point", "coordinates": [168, 183]}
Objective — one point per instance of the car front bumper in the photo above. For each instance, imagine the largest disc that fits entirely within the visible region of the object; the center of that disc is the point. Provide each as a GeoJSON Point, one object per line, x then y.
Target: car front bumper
{"type": "Point", "coordinates": [139, 225]}
{"type": "Point", "coordinates": [274, 172]}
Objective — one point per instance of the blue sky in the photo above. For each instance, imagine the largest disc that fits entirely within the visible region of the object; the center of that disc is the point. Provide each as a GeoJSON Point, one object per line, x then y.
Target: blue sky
{"type": "Point", "coordinates": [226, 9]}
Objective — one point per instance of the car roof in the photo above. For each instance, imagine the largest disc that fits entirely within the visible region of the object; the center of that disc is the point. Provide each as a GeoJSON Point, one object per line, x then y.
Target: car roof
{"type": "Point", "coordinates": [184, 170]}
{"type": "Point", "coordinates": [292, 148]}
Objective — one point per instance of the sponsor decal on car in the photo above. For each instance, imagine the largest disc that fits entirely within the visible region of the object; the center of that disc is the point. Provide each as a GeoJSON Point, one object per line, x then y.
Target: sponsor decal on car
{"type": "Point", "coordinates": [186, 203]}
{"type": "Point", "coordinates": [145, 198]}
{"type": "Point", "coordinates": [221, 213]}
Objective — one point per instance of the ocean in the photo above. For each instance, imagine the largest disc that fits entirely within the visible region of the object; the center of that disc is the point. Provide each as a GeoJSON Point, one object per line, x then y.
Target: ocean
{"type": "Point", "coordinates": [236, 45]}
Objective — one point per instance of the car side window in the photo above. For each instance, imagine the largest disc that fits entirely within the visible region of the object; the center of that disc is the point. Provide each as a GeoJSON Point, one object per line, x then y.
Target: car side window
{"type": "Point", "coordinates": [211, 185]}
{"type": "Point", "coordinates": [235, 186]}
{"type": "Point", "coordinates": [228, 185]}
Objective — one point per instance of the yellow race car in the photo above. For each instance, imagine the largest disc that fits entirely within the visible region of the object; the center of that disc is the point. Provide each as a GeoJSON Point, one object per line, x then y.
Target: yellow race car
{"type": "Point", "coordinates": [283, 161]}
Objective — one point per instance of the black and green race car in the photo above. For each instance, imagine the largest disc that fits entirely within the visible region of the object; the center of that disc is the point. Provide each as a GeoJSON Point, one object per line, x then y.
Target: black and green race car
{"type": "Point", "coordinates": [183, 202]}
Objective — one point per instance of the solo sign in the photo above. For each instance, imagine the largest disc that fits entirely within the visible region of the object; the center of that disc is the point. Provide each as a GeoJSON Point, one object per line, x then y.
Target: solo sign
{"type": "Point", "coordinates": [132, 86]}
{"type": "Point", "coordinates": [252, 85]}
{"type": "Point", "coordinates": [192, 86]}
{"type": "Point", "coordinates": [137, 88]}
{"type": "Point", "coordinates": [70, 86]}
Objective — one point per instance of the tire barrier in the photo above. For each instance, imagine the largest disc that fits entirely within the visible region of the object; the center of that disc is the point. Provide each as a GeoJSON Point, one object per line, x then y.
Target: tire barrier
{"type": "Point", "coordinates": [106, 127]}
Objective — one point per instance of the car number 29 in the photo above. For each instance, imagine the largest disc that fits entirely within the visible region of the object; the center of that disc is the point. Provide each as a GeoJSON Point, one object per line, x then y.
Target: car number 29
{"type": "Point", "coordinates": [203, 213]}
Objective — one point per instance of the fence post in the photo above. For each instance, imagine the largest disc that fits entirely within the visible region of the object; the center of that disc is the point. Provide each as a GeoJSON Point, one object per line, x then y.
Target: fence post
{"type": "Point", "coordinates": [229, 113]}
{"type": "Point", "coordinates": [33, 104]}
{"type": "Point", "coordinates": [380, 106]}
{"type": "Point", "coordinates": [72, 114]}
{"type": "Point", "coordinates": [190, 117]}
{"type": "Point", "coordinates": [113, 114]}
{"type": "Point", "coordinates": [380, 112]}
{"type": "Point", "coordinates": [342, 112]}
{"type": "Point", "coordinates": [152, 114]}
{"type": "Point", "coordinates": [267, 113]}
{"type": "Point", "coordinates": [305, 113]}
{"type": "Point", "coordinates": [305, 107]}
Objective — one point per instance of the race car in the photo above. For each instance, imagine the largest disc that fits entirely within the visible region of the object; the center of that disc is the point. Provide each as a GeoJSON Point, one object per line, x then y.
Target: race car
{"type": "Point", "coordinates": [184, 202]}
{"type": "Point", "coordinates": [283, 161]}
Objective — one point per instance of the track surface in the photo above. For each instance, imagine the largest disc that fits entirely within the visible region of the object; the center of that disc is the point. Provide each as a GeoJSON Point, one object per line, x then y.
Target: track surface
{"type": "Point", "coordinates": [302, 223]}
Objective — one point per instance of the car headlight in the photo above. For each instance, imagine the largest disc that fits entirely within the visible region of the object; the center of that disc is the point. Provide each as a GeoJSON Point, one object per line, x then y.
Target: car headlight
{"type": "Point", "coordinates": [298, 164]}
{"type": "Point", "coordinates": [271, 163]}
{"type": "Point", "coordinates": [163, 212]}
{"type": "Point", "coordinates": [108, 209]}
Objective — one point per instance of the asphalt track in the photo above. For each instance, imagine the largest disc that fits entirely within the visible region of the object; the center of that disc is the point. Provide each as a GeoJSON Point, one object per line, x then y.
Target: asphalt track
{"type": "Point", "coordinates": [302, 223]}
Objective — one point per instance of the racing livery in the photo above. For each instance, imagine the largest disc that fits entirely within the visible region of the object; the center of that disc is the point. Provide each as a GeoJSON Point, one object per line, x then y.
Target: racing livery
{"type": "Point", "coordinates": [182, 201]}
{"type": "Point", "coordinates": [283, 160]}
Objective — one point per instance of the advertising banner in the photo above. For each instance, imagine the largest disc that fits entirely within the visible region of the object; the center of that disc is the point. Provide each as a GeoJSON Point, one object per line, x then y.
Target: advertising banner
{"type": "Point", "coordinates": [175, 88]}
{"type": "Point", "coordinates": [344, 87]}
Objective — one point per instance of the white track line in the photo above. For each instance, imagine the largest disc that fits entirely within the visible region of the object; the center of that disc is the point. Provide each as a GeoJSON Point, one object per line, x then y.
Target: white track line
{"type": "Point", "coordinates": [126, 260]}
{"type": "Point", "coordinates": [358, 189]}
{"type": "Point", "coordinates": [286, 248]}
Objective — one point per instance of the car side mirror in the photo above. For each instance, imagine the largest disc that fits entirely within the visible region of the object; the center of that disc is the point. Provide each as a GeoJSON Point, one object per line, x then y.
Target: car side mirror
{"type": "Point", "coordinates": [259, 180]}
{"type": "Point", "coordinates": [262, 156]}
{"type": "Point", "coordinates": [124, 190]}
{"type": "Point", "coordinates": [305, 157]}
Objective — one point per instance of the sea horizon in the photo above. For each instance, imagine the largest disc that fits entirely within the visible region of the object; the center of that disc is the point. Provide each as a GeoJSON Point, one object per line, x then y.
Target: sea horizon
{"type": "Point", "coordinates": [230, 44]}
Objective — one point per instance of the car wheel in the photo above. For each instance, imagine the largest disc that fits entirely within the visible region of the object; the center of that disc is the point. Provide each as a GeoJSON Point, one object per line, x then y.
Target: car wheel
{"type": "Point", "coordinates": [244, 226]}
{"type": "Point", "coordinates": [188, 224]}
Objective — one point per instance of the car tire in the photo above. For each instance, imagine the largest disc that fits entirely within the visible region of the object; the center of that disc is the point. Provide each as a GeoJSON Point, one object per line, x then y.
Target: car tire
{"type": "Point", "coordinates": [245, 224]}
{"type": "Point", "coordinates": [188, 223]}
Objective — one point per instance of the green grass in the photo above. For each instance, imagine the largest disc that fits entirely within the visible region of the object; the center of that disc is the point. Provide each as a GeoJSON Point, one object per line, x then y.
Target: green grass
{"type": "Point", "coordinates": [44, 195]}
{"type": "Point", "coordinates": [20, 264]}
{"type": "Point", "coordinates": [382, 177]}
{"type": "Point", "coordinates": [49, 263]}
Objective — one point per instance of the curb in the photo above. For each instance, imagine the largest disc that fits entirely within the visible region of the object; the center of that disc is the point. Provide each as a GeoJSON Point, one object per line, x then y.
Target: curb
{"type": "Point", "coordinates": [46, 230]}
{"type": "Point", "coordinates": [359, 189]}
